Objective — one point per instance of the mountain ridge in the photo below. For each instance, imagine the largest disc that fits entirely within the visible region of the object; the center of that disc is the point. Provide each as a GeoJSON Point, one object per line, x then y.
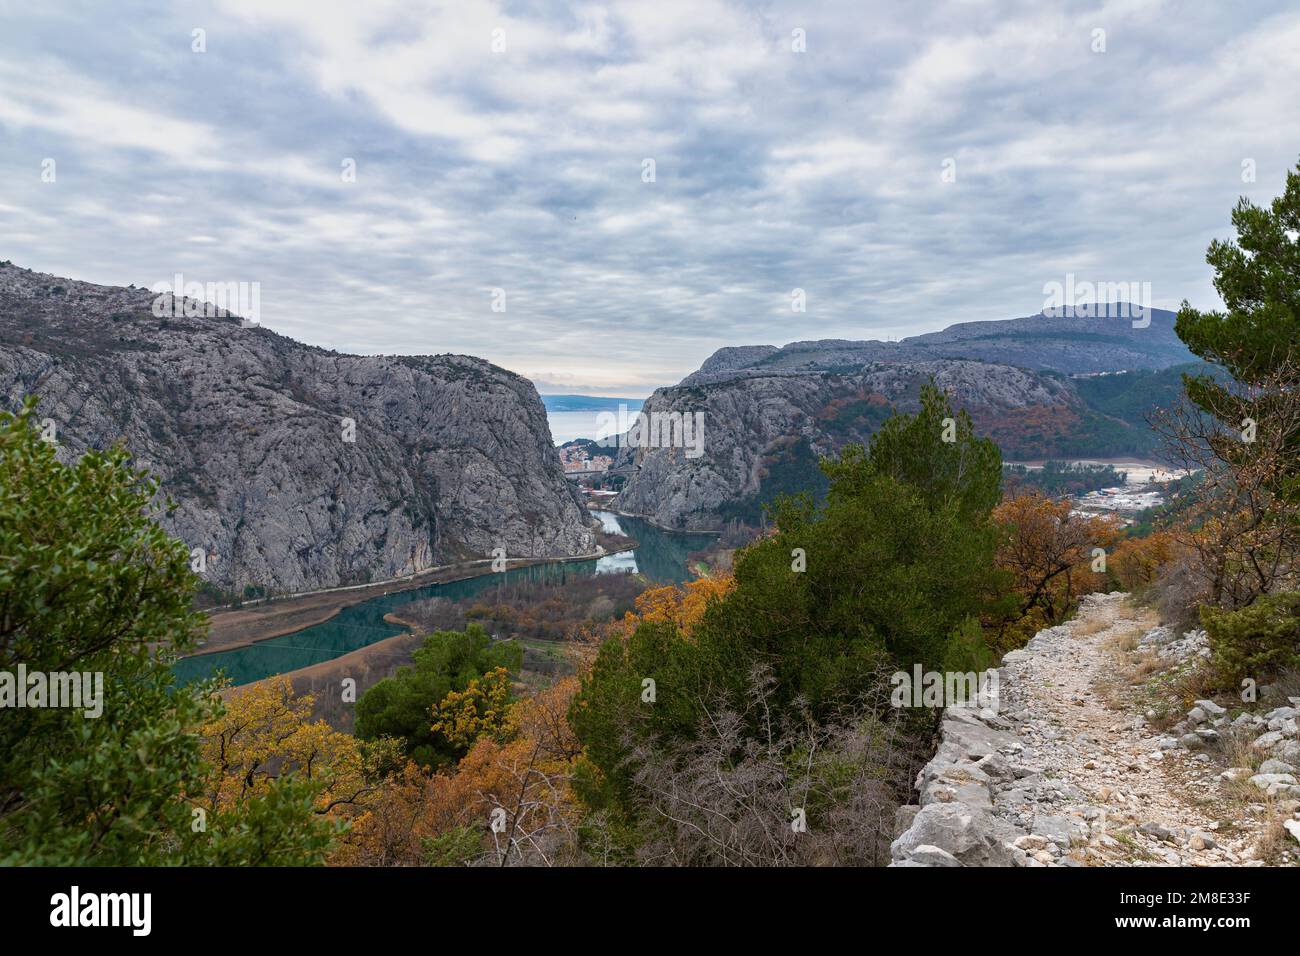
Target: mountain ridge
{"type": "Point", "coordinates": [1042, 342]}
{"type": "Point", "coordinates": [771, 412]}
{"type": "Point", "coordinates": [449, 458]}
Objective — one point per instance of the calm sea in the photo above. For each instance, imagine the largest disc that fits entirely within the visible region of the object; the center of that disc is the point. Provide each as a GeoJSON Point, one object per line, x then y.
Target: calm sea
{"type": "Point", "coordinates": [579, 416]}
{"type": "Point", "coordinates": [566, 426]}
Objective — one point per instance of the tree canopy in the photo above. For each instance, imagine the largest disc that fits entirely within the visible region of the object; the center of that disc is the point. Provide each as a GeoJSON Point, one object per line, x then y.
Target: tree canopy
{"type": "Point", "coordinates": [894, 569]}
{"type": "Point", "coordinates": [403, 705]}
{"type": "Point", "coordinates": [90, 583]}
{"type": "Point", "coordinates": [1256, 337]}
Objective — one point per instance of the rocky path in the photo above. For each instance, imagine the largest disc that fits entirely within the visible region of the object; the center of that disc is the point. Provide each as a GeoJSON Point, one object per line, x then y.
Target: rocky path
{"type": "Point", "coordinates": [1070, 771]}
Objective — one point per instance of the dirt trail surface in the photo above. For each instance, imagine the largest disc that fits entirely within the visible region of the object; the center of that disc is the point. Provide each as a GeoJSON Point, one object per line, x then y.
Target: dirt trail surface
{"type": "Point", "coordinates": [1070, 771]}
{"type": "Point", "coordinates": [1144, 804]}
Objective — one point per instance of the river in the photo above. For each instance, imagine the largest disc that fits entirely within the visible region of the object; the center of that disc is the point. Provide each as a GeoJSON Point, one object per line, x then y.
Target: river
{"type": "Point", "coordinates": [660, 555]}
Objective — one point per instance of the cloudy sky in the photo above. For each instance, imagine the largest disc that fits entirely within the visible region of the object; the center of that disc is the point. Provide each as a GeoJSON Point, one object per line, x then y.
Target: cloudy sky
{"type": "Point", "coordinates": [914, 165]}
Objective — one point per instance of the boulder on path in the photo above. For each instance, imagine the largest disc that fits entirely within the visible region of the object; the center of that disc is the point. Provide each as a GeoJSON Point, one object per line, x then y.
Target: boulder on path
{"type": "Point", "coordinates": [972, 836]}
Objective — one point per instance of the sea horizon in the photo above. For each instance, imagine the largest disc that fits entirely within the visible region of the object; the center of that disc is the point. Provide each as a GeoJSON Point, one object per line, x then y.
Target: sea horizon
{"type": "Point", "coordinates": [568, 423]}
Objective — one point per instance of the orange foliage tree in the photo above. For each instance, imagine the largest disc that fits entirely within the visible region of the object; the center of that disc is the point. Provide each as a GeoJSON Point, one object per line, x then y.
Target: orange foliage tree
{"type": "Point", "coordinates": [682, 605]}
{"type": "Point", "coordinates": [265, 732]}
{"type": "Point", "coordinates": [1137, 562]}
{"type": "Point", "coordinates": [508, 801]}
{"type": "Point", "coordinates": [482, 709]}
{"type": "Point", "coordinates": [1049, 554]}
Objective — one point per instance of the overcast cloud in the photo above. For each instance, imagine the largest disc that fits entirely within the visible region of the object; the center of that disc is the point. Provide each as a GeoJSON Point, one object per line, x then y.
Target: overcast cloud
{"type": "Point", "coordinates": [522, 169]}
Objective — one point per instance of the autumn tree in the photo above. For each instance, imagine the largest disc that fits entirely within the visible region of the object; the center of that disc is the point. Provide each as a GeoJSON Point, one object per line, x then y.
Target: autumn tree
{"type": "Point", "coordinates": [507, 802]}
{"type": "Point", "coordinates": [266, 734]}
{"type": "Point", "coordinates": [401, 706]}
{"type": "Point", "coordinates": [1136, 563]}
{"type": "Point", "coordinates": [1243, 520]}
{"type": "Point", "coordinates": [391, 826]}
{"type": "Point", "coordinates": [482, 709]}
{"type": "Point", "coordinates": [682, 605]}
{"type": "Point", "coordinates": [1049, 553]}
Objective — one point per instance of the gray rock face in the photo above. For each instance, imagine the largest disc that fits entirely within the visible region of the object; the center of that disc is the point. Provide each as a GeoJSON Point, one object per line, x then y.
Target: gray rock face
{"type": "Point", "coordinates": [1059, 830]}
{"type": "Point", "coordinates": [754, 424]}
{"type": "Point", "coordinates": [1157, 831]}
{"type": "Point", "coordinates": [966, 835]}
{"type": "Point", "coordinates": [977, 763]}
{"type": "Point", "coordinates": [770, 411]}
{"type": "Point", "coordinates": [927, 855]}
{"type": "Point", "coordinates": [1266, 742]}
{"type": "Point", "coordinates": [1275, 784]}
{"type": "Point", "coordinates": [1289, 752]}
{"type": "Point", "coordinates": [246, 430]}
{"type": "Point", "coordinates": [1276, 766]}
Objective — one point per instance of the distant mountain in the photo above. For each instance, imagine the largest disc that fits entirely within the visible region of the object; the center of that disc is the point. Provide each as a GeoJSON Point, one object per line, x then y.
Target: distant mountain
{"type": "Point", "coordinates": [769, 413]}
{"type": "Point", "coordinates": [588, 403]}
{"type": "Point", "coordinates": [1069, 344]}
{"type": "Point", "coordinates": [248, 432]}
{"type": "Point", "coordinates": [1049, 343]}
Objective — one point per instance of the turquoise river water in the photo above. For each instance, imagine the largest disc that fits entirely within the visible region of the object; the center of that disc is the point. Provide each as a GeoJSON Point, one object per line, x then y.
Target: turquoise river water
{"type": "Point", "coordinates": [660, 555]}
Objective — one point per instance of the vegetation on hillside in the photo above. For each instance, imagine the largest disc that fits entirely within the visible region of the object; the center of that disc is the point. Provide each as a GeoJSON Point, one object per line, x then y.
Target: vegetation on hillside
{"type": "Point", "coordinates": [1057, 478]}
{"type": "Point", "coordinates": [449, 662]}
{"type": "Point", "coordinates": [1131, 395]}
{"type": "Point", "coordinates": [92, 586]}
{"type": "Point", "coordinates": [744, 718]}
{"type": "Point", "coordinates": [789, 469]}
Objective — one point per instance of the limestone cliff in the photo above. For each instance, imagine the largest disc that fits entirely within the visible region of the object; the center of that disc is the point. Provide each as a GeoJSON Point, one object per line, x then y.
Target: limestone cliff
{"type": "Point", "coordinates": [769, 413]}
{"type": "Point", "coordinates": [247, 430]}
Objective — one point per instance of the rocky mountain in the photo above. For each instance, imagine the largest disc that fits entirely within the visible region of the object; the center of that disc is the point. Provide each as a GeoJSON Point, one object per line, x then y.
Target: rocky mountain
{"type": "Point", "coordinates": [293, 467]}
{"type": "Point", "coordinates": [768, 413]}
{"type": "Point", "coordinates": [1073, 345]}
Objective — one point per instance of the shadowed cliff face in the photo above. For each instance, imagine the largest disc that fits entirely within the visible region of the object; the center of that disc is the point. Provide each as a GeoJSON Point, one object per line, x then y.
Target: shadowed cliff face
{"type": "Point", "coordinates": [451, 456]}
{"type": "Point", "coordinates": [769, 413]}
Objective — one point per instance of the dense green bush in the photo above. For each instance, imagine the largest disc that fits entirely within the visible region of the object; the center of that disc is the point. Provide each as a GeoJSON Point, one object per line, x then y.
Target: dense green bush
{"type": "Point", "coordinates": [1255, 641]}
{"type": "Point", "coordinates": [90, 584]}
{"type": "Point", "coordinates": [893, 570]}
{"type": "Point", "coordinates": [402, 705]}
